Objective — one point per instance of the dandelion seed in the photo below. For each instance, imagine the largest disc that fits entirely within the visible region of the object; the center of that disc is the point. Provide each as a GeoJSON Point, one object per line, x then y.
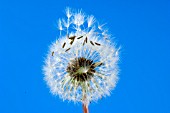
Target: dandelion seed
{"type": "Point", "coordinates": [52, 53]}
{"type": "Point", "coordinates": [72, 37]}
{"type": "Point", "coordinates": [72, 41]}
{"type": "Point", "coordinates": [80, 37]}
{"type": "Point", "coordinates": [92, 43]}
{"type": "Point", "coordinates": [67, 49]}
{"type": "Point", "coordinates": [86, 39]}
{"type": "Point", "coordinates": [97, 44]}
{"type": "Point", "coordinates": [87, 72]}
{"type": "Point", "coordinates": [64, 45]}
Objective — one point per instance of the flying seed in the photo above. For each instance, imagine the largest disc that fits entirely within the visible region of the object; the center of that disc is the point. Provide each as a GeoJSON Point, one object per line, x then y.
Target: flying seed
{"type": "Point", "coordinates": [67, 49]}
{"type": "Point", "coordinates": [92, 43]}
{"type": "Point", "coordinates": [97, 44]}
{"type": "Point", "coordinates": [80, 37]}
{"type": "Point", "coordinates": [72, 37]}
{"type": "Point", "coordinates": [64, 45]}
{"type": "Point", "coordinates": [71, 42]}
{"type": "Point", "coordinates": [86, 39]}
{"type": "Point", "coordinates": [52, 53]}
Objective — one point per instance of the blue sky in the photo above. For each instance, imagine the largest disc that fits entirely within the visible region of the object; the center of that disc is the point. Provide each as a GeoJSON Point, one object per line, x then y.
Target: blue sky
{"type": "Point", "coordinates": [142, 28]}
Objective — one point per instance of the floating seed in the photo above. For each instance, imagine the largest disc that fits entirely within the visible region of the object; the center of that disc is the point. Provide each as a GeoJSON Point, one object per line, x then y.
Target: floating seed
{"type": "Point", "coordinates": [97, 44]}
{"type": "Point", "coordinates": [52, 53]}
{"type": "Point", "coordinates": [64, 45]}
{"type": "Point", "coordinates": [80, 37]}
{"type": "Point", "coordinates": [92, 43]}
{"type": "Point", "coordinates": [67, 49]}
{"type": "Point", "coordinates": [86, 39]}
{"type": "Point", "coordinates": [71, 42]}
{"type": "Point", "coordinates": [72, 37]}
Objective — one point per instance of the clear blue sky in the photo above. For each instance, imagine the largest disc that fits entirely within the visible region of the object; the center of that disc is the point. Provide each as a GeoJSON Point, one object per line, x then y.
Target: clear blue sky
{"type": "Point", "coordinates": [141, 27]}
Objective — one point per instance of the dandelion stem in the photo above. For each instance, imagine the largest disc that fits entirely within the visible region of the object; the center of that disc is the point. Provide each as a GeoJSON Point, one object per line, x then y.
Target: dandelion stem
{"type": "Point", "coordinates": [85, 108]}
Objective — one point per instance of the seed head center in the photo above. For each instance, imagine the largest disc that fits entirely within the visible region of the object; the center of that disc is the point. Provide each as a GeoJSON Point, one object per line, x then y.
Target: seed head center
{"type": "Point", "coordinates": [82, 69]}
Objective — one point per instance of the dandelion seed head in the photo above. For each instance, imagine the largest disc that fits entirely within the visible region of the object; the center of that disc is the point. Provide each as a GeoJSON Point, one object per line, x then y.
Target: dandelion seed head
{"type": "Point", "coordinates": [81, 65]}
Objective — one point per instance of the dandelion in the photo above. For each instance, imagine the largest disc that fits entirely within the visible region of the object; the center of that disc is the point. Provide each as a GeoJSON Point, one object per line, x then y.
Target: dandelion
{"type": "Point", "coordinates": [81, 65]}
